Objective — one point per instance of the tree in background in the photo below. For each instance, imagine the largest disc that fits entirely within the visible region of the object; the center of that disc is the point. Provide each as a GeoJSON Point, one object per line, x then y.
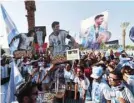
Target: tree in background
{"type": "Point", "coordinates": [124, 26]}
{"type": "Point", "coordinates": [103, 45]}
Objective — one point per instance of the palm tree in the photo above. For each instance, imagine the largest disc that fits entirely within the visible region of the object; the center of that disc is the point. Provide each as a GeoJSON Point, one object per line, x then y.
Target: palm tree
{"type": "Point", "coordinates": [124, 26]}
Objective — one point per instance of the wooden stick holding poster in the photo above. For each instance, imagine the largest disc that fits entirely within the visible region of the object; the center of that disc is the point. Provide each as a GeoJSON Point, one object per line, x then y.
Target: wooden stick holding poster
{"type": "Point", "coordinates": [73, 54]}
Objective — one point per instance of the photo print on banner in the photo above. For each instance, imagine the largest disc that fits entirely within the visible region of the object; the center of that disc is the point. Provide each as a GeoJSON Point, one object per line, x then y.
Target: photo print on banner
{"type": "Point", "coordinates": [94, 30]}
{"type": "Point", "coordinates": [39, 38]}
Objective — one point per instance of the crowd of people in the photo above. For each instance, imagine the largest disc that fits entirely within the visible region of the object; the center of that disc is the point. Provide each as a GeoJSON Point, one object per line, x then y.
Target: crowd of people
{"type": "Point", "coordinates": [96, 77]}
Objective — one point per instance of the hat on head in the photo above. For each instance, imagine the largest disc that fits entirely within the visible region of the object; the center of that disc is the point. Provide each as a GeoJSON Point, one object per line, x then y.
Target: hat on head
{"type": "Point", "coordinates": [127, 64]}
{"type": "Point", "coordinates": [97, 72]}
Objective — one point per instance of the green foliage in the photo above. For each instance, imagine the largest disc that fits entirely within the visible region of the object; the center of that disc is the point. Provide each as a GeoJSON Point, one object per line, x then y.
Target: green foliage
{"type": "Point", "coordinates": [124, 25]}
{"type": "Point", "coordinates": [130, 47]}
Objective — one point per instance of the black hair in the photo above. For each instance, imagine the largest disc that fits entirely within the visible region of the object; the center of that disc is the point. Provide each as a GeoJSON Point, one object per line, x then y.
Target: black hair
{"type": "Point", "coordinates": [76, 61]}
{"type": "Point", "coordinates": [104, 59]}
{"type": "Point", "coordinates": [25, 89]}
{"type": "Point", "coordinates": [126, 67]}
{"type": "Point", "coordinates": [81, 68]}
{"type": "Point", "coordinates": [30, 33]}
{"type": "Point", "coordinates": [55, 23]}
{"type": "Point", "coordinates": [123, 55]}
{"type": "Point", "coordinates": [2, 51]}
{"type": "Point", "coordinates": [98, 16]}
{"type": "Point", "coordinates": [102, 65]}
{"type": "Point", "coordinates": [118, 74]}
{"type": "Point", "coordinates": [70, 63]}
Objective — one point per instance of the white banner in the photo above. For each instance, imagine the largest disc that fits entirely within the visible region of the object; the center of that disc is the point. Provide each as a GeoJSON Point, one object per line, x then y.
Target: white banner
{"type": "Point", "coordinates": [94, 31]}
{"type": "Point", "coordinates": [73, 54]}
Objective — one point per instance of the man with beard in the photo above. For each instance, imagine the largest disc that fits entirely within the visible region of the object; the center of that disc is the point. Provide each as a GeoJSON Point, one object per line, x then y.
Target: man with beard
{"type": "Point", "coordinates": [93, 37]}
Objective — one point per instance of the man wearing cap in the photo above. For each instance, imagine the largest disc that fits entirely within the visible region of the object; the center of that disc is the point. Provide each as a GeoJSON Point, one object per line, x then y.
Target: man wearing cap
{"type": "Point", "coordinates": [98, 86]}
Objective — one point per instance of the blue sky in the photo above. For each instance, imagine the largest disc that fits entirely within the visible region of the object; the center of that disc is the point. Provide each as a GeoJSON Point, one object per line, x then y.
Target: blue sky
{"type": "Point", "coordinates": [70, 14]}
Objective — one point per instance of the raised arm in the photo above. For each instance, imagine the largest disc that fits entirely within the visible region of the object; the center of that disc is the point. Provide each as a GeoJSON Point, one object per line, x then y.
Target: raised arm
{"type": "Point", "coordinates": [51, 69]}
{"type": "Point", "coordinates": [16, 37]}
{"type": "Point", "coordinates": [76, 91]}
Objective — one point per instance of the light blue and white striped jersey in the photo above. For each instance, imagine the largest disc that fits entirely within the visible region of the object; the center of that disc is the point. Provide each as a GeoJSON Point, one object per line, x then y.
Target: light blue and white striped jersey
{"type": "Point", "coordinates": [5, 71]}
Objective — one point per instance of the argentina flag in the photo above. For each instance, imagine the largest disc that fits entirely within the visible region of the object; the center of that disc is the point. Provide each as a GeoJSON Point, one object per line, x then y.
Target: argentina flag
{"type": "Point", "coordinates": [10, 29]}
{"type": "Point", "coordinates": [15, 81]}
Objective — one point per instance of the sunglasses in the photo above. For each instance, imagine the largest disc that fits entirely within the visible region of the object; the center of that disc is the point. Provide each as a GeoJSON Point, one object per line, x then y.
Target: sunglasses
{"type": "Point", "coordinates": [112, 79]}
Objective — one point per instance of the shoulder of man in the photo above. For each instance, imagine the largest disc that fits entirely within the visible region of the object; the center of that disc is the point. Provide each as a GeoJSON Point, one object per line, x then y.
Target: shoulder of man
{"type": "Point", "coordinates": [23, 34]}
{"type": "Point", "coordinates": [51, 34]}
{"type": "Point", "coordinates": [104, 85]}
{"type": "Point", "coordinates": [63, 31]}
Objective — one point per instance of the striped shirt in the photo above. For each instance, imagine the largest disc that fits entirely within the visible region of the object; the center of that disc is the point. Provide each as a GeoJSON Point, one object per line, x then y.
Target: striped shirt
{"type": "Point", "coordinates": [115, 93]}
{"type": "Point", "coordinates": [58, 42]}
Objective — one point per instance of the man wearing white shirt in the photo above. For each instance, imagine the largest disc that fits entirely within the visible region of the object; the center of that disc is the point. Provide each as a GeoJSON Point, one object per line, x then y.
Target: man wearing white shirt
{"type": "Point", "coordinates": [99, 85]}
{"type": "Point", "coordinates": [57, 39]}
{"type": "Point", "coordinates": [119, 93]}
{"type": "Point", "coordinates": [26, 40]}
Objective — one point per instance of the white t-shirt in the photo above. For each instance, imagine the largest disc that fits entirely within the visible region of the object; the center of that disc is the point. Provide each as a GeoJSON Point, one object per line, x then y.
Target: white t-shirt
{"type": "Point", "coordinates": [68, 75]}
{"type": "Point", "coordinates": [114, 94]}
{"type": "Point", "coordinates": [82, 83]}
{"type": "Point", "coordinates": [25, 41]}
{"type": "Point", "coordinates": [58, 42]}
{"type": "Point", "coordinates": [98, 91]}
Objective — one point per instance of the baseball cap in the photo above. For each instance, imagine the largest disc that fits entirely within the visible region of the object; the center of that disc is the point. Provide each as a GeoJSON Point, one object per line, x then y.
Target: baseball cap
{"type": "Point", "coordinates": [97, 72]}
